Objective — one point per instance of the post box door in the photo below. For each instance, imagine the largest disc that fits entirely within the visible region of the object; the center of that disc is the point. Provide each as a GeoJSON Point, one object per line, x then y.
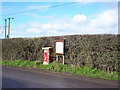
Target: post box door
{"type": "Point", "coordinates": [45, 56]}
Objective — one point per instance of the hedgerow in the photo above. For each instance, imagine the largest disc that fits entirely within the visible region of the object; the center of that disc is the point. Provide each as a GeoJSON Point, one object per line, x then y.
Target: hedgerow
{"type": "Point", "coordinates": [98, 51]}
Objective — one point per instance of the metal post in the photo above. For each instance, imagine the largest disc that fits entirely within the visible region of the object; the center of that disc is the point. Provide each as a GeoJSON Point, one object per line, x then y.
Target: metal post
{"type": "Point", "coordinates": [8, 28]}
{"type": "Point", "coordinates": [5, 27]}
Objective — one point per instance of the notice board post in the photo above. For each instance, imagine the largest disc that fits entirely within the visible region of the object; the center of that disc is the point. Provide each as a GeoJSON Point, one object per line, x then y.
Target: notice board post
{"type": "Point", "coordinates": [59, 48]}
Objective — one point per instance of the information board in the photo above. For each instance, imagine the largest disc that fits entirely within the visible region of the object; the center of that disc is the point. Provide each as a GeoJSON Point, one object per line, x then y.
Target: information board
{"type": "Point", "coordinates": [59, 46]}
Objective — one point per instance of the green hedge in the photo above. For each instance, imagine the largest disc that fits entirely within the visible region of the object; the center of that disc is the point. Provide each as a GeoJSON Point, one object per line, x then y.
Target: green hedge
{"type": "Point", "coordinates": [99, 51]}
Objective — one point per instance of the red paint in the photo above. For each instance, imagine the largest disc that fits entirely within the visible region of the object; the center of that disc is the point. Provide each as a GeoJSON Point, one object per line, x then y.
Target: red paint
{"type": "Point", "coordinates": [45, 56]}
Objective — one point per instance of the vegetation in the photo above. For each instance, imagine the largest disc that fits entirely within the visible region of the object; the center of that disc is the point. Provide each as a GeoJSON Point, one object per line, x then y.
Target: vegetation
{"type": "Point", "coordinates": [83, 71]}
{"type": "Point", "coordinates": [98, 51]}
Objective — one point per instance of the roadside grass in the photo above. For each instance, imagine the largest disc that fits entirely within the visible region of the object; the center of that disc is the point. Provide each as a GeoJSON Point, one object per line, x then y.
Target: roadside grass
{"type": "Point", "coordinates": [83, 71]}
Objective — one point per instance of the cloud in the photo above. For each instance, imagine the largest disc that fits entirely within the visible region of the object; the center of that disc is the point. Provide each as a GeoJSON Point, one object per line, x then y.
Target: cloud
{"type": "Point", "coordinates": [104, 23]}
{"type": "Point", "coordinates": [87, 1]}
{"type": "Point", "coordinates": [22, 26]}
{"type": "Point", "coordinates": [80, 18]}
{"type": "Point", "coordinates": [38, 7]}
{"type": "Point", "coordinates": [37, 16]}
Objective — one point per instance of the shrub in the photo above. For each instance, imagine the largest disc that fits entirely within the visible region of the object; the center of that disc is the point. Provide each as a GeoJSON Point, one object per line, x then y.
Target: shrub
{"type": "Point", "coordinates": [100, 51]}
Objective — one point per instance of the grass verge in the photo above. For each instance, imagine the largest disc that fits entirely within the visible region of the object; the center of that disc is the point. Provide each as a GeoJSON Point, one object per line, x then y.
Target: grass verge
{"type": "Point", "coordinates": [83, 71]}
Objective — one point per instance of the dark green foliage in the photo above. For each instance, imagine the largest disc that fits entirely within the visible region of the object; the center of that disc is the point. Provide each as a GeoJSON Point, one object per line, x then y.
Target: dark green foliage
{"type": "Point", "coordinates": [100, 51]}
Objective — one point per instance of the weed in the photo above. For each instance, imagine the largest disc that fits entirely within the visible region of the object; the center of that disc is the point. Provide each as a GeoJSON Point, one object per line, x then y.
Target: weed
{"type": "Point", "coordinates": [84, 70]}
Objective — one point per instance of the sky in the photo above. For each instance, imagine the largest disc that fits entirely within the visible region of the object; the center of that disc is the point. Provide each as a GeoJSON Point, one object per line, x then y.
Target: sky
{"type": "Point", "coordinates": [43, 19]}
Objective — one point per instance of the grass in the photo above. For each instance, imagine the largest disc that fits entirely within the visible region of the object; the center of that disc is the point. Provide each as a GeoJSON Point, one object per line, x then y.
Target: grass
{"type": "Point", "coordinates": [83, 71]}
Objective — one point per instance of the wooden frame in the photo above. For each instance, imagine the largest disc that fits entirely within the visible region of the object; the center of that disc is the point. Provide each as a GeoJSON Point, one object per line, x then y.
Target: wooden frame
{"type": "Point", "coordinates": [59, 40]}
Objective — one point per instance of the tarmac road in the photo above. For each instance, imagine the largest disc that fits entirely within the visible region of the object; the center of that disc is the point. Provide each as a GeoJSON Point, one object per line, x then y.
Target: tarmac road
{"type": "Point", "coordinates": [31, 78]}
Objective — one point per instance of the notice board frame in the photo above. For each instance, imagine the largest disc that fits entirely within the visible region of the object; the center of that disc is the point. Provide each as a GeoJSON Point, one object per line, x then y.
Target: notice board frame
{"type": "Point", "coordinates": [59, 40]}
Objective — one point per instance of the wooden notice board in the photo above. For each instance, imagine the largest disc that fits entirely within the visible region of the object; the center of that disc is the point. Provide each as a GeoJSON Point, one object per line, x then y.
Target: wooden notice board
{"type": "Point", "coordinates": [59, 46]}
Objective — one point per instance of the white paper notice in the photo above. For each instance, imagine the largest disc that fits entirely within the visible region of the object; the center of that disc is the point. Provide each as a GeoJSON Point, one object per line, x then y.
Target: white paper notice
{"type": "Point", "coordinates": [59, 47]}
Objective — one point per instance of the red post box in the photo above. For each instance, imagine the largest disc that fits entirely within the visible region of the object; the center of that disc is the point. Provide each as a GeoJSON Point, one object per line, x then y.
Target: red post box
{"type": "Point", "coordinates": [46, 55]}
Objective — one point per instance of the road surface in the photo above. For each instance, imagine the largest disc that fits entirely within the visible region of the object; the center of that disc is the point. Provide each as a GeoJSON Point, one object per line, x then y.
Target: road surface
{"type": "Point", "coordinates": [30, 78]}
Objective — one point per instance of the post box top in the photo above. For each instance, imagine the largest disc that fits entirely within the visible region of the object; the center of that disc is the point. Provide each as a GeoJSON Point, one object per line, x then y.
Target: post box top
{"type": "Point", "coordinates": [46, 48]}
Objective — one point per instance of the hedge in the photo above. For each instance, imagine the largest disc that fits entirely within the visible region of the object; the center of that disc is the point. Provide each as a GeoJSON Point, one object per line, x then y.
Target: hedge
{"type": "Point", "coordinates": [99, 51]}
